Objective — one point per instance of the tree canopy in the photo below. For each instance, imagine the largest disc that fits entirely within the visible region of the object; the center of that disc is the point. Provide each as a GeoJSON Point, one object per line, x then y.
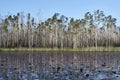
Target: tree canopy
{"type": "Point", "coordinates": [59, 31]}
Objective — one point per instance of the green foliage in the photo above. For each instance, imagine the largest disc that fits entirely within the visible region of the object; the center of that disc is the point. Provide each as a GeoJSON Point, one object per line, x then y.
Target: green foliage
{"type": "Point", "coordinates": [59, 31]}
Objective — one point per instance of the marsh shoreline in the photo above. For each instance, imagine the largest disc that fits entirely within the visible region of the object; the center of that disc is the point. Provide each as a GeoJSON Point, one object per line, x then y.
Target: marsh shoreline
{"type": "Point", "coordinates": [87, 49]}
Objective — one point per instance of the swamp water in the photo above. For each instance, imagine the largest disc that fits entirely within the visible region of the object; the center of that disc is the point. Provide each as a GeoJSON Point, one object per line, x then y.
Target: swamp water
{"type": "Point", "coordinates": [60, 66]}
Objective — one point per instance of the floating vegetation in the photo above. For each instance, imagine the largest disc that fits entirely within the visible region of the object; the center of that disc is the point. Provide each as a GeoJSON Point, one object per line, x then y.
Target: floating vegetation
{"type": "Point", "coordinates": [62, 66]}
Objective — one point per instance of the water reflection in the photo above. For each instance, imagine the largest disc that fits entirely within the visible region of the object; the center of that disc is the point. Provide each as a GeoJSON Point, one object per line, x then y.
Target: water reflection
{"type": "Point", "coordinates": [59, 65]}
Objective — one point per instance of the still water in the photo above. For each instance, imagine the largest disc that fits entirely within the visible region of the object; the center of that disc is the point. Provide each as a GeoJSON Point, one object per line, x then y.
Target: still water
{"type": "Point", "coordinates": [59, 65]}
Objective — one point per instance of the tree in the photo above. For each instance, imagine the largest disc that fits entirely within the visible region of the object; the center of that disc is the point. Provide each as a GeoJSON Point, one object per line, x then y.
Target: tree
{"type": "Point", "coordinates": [59, 31]}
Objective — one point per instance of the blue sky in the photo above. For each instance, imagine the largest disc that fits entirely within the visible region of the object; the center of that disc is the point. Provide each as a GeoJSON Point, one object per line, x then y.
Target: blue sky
{"type": "Point", "coordinates": [69, 8]}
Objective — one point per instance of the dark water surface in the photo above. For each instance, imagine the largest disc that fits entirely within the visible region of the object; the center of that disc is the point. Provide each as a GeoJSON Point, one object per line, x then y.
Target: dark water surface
{"type": "Point", "coordinates": [59, 65]}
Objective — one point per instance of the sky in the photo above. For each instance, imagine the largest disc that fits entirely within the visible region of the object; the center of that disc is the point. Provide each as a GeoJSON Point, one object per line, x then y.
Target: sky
{"type": "Point", "coordinates": [43, 9]}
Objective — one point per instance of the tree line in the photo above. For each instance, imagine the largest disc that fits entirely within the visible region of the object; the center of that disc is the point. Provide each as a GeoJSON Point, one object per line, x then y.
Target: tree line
{"type": "Point", "coordinates": [59, 31]}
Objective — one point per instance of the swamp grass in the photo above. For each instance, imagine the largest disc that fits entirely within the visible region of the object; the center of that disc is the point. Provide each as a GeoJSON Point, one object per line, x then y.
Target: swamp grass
{"type": "Point", "coordinates": [87, 49]}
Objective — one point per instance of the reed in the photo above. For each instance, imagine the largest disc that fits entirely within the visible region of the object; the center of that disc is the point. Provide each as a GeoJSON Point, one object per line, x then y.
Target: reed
{"type": "Point", "coordinates": [87, 49]}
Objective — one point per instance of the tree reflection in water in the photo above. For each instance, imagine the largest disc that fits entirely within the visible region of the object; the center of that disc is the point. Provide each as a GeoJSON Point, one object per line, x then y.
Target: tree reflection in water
{"type": "Point", "coordinates": [59, 65]}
